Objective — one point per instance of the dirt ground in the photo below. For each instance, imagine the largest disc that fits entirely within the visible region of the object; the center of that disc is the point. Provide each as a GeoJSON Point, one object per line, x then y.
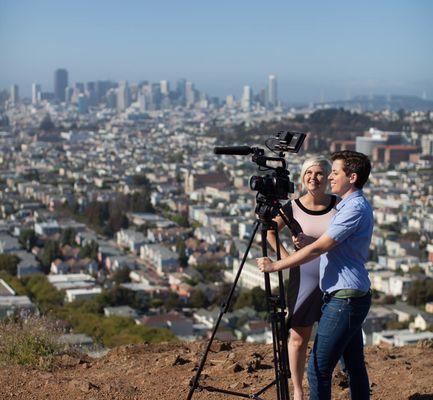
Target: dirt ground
{"type": "Point", "coordinates": [163, 372]}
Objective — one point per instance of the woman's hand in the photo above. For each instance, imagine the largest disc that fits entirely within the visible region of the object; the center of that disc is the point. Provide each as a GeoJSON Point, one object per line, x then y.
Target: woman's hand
{"type": "Point", "coordinates": [265, 264]}
{"type": "Point", "coordinates": [302, 240]}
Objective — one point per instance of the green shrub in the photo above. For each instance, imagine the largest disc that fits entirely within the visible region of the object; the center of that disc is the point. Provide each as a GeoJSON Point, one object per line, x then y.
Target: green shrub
{"type": "Point", "coordinates": [31, 341]}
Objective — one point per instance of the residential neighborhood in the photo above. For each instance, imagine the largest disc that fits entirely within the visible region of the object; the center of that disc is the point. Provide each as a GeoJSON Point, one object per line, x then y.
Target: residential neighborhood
{"type": "Point", "coordinates": [128, 205]}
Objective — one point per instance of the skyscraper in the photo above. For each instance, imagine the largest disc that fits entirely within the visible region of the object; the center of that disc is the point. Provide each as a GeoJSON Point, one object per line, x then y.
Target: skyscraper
{"type": "Point", "coordinates": [15, 94]}
{"type": "Point", "coordinates": [36, 89]}
{"type": "Point", "coordinates": [272, 94]}
{"type": "Point", "coordinates": [246, 98]}
{"type": "Point", "coordinates": [189, 94]}
{"type": "Point", "coordinates": [60, 83]}
{"type": "Point", "coordinates": [123, 96]}
{"type": "Point", "coordinates": [165, 88]}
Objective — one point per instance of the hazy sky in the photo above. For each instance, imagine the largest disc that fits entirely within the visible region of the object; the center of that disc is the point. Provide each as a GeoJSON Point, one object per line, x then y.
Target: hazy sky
{"type": "Point", "coordinates": [323, 48]}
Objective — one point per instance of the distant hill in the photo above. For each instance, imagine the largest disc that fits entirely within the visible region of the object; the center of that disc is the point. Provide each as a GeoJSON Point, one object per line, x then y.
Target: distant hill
{"type": "Point", "coordinates": [380, 102]}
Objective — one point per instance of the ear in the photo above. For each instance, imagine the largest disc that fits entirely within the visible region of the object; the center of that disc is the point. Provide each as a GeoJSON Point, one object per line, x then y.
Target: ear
{"type": "Point", "coordinates": [353, 177]}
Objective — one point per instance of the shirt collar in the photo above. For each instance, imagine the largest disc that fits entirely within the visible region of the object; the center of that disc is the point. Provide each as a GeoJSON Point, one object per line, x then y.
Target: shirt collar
{"type": "Point", "coordinates": [351, 196]}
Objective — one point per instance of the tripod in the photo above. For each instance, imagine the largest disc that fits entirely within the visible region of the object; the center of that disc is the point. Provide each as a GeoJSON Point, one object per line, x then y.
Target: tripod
{"type": "Point", "coordinates": [266, 209]}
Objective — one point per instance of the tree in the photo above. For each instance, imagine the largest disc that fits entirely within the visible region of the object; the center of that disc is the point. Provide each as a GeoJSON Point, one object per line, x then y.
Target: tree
{"type": "Point", "coordinates": [181, 251]}
{"type": "Point", "coordinates": [258, 298]}
{"type": "Point", "coordinates": [139, 201]}
{"type": "Point", "coordinates": [49, 254]}
{"type": "Point", "coordinates": [140, 180]}
{"type": "Point", "coordinates": [121, 276]}
{"type": "Point", "coordinates": [47, 124]}
{"type": "Point", "coordinates": [68, 237]}
{"type": "Point", "coordinates": [90, 250]}
{"type": "Point", "coordinates": [27, 238]}
{"type": "Point", "coordinates": [47, 297]}
{"type": "Point", "coordinates": [198, 299]}
{"type": "Point", "coordinates": [181, 220]}
{"type": "Point", "coordinates": [210, 272]}
{"type": "Point", "coordinates": [9, 263]}
{"type": "Point", "coordinates": [420, 293]}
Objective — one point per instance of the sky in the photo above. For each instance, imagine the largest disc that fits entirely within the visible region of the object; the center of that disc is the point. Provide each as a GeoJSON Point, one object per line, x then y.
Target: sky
{"type": "Point", "coordinates": [319, 50]}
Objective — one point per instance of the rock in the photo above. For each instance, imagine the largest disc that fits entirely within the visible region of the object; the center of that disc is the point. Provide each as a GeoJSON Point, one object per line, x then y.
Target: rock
{"type": "Point", "coordinates": [180, 361]}
{"type": "Point", "coordinates": [341, 379]}
{"type": "Point", "coordinates": [216, 346]}
{"type": "Point", "coordinates": [68, 361]}
{"type": "Point", "coordinates": [236, 368]}
{"type": "Point", "coordinates": [425, 344]}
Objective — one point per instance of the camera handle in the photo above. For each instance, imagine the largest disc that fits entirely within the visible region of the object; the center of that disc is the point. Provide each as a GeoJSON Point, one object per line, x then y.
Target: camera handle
{"type": "Point", "coordinates": [276, 309]}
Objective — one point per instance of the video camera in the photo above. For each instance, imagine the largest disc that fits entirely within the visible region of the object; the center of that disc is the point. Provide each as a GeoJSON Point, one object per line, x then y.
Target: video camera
{"type": "Point", "coordinates": [275, 185]}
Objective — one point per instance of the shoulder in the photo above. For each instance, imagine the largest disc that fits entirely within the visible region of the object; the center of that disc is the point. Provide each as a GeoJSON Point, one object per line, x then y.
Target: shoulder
{"type": "Point", "coordinates": [359, 205]}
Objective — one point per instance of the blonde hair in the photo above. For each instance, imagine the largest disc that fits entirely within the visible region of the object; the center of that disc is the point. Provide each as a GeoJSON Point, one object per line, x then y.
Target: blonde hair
{"type": "Point", "coordinates": [318, 160]}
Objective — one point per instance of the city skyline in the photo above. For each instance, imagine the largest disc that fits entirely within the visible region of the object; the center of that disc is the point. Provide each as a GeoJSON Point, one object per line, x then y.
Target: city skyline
{"type": "Point", "coordinates": [317, 51]}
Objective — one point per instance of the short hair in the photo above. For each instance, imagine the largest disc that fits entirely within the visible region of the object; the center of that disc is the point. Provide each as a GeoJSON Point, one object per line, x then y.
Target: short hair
{"type": "Point", "coordinates": [318, 160]}
{"type": "Point", "coordinates": [354, 162]}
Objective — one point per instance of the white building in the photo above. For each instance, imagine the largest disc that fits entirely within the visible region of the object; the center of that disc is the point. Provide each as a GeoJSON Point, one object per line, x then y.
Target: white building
{"type": "Point", "coordinates": [81, 294]}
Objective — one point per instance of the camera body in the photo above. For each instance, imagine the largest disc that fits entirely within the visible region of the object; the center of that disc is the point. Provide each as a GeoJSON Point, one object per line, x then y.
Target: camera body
{"type": "Point", "coordinates": [276, 185]}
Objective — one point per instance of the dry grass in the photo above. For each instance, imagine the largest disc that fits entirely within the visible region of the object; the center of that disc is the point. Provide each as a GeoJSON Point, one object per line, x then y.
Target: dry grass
{"type": "Point", "coordinates": [30, 341]}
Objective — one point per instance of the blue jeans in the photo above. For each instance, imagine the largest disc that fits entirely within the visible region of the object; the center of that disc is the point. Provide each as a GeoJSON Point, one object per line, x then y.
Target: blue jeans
{"type": "Point", "coordinates": [338, 335]}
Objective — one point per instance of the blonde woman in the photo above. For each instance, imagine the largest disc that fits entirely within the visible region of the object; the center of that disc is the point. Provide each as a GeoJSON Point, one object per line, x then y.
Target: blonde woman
{"type": "Point", "coordinates": [313, 211]}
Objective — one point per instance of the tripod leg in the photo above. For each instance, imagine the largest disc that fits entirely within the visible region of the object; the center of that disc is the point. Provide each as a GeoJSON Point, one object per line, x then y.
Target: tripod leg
{"type": "Point", "coordinates": [224, 309]}
{"type": "Point", "coordinates": [283, 334]}
{"type": "Point", "coordinates": [276, 308]}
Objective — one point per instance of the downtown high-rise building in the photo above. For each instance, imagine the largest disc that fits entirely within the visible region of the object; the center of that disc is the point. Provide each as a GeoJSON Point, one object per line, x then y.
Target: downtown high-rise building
{"type": "Point", "coordinates": [247, 96]}
{"type": "Point", "coordinates": [36, 90]}
{"type": "Point", "coordinates": [164, 87]}
{"type": "Point", "coordinates": [123, 96]}
{"type": "Point", "coordinates": [15, 94]}
{"type": "Point", "coordinates": [189, 94]}
{"type": "Point", "coordinates": [272, 93]}
{"type": "Point", "coordinates": [60, 83]}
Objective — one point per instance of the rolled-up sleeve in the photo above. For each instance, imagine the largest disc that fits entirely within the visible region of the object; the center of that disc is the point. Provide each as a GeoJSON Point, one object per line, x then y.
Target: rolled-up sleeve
{"type": "Point", "coordinates": [345, 222]}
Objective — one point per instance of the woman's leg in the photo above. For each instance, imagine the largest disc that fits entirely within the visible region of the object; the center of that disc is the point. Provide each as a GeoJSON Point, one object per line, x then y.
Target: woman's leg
{"type": "Point", "coordinates": [298, 343]}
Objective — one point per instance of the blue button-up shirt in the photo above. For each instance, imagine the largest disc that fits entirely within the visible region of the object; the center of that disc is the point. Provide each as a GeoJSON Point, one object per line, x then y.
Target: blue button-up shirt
{"type": "Point", "coordinates": [343, 267]}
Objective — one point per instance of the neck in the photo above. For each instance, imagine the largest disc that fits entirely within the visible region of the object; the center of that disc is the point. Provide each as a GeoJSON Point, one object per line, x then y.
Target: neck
{"type": "Point", "coordinates": [349, 192]}
{"type": "Point", "coordinates": [316, 197]}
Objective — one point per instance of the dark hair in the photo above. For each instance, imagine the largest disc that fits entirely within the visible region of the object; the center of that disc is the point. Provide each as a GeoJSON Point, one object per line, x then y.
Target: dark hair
{"type": "Point", "coordinates": [354, 162]}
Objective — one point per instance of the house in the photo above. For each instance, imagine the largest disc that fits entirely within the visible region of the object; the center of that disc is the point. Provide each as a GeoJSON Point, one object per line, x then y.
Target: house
{"type": "Point", "coordinates": [10, 304]}
{"type": "Point", "coordinates": [400, 338]}
{"type": "Point", "coordinates": [47, 228]}
{"type": "Point", "coordinates": [403, 311]}
{"type": "Point", "coordinates": [130, 239]}
{"type": "Point", "coordinates": [254, 331]}
{"type": "Point", "coordinates": [116, 262]}
{"type": "Point", "coordinates": [380, 280]}
{"type": "Point", "coordinates": [77, 340]}
{"type": "Point", "coordinates": [120, 311]}
{"type": "Point", "coordinates": [146, 291]}
{"type": "Point", "coordinates": [81, 294]}
{"type": "Point", "coordinates": [251, 276]}
{"type": "Point", "coordinates": [179, 325]}
{"type": "Point", "coordinates": [71, 281]}
{"type": "Point", "coordinates": [28, 264]}
{"type": "Point", "coordinates": [423, 321]}
{"type": "Point", "coordinates": [400, 285]}
{"type": "Point", "coordinates": [8, 244]}
{"type": "Point", "coordinates": [161, 257]}
{"type": "Point", "coordinates": [85, 238]}
{"type": "Point", "coordinates": [376, 320]}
